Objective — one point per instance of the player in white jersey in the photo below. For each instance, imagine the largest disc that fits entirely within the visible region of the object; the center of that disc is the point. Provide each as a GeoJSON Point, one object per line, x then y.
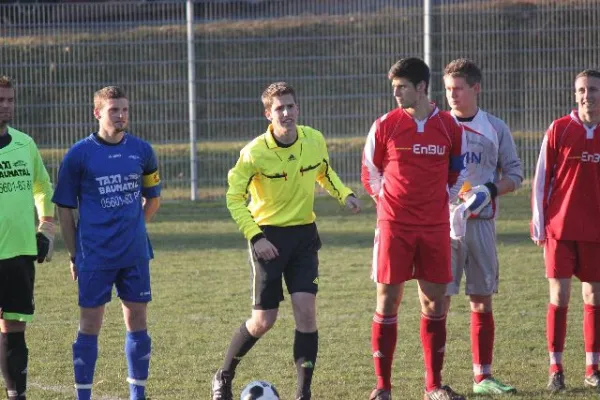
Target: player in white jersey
{"type": "Point", "coordinates": [493, 168]}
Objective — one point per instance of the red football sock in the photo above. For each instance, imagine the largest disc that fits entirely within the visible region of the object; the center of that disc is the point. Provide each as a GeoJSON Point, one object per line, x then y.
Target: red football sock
{"type": "Point", "coordinates": [433, 339]}
{"type": "Point", "coordinates": [384, 332]}
{"type": "Point", "coordinates": [482, 344]}
{"type": "Point", "coordinates": [556, 332]}
{"type": "Point", "coordinates": [591, 337]}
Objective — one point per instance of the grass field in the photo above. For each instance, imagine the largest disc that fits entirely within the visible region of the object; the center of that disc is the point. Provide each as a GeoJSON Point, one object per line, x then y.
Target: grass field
{"type": "Point", "coordinates": [201, 294]}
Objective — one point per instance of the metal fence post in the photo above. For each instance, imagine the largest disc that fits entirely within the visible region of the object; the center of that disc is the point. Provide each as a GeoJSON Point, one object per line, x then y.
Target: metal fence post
{"type": "Point", "coordinates": [192, 100]}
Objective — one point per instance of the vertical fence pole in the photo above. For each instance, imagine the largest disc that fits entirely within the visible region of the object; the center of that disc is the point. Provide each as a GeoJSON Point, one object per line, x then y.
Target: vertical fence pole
{"type": "Point", "coordinates": [192, 100]}
{"type": "Point", "coordinates": [427, 39]}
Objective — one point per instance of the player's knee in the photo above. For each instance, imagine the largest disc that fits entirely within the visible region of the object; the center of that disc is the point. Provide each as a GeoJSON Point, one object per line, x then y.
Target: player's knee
{"type": "Point", "coordinates": [259, 325]}
{"type": "Point", "coordinates": [591, 294]}
{"type": "Point", "coordinates": [560, 292]}
{"type": "Point", "coordinates": [481, 304]}
{"type": "Point", "coordinates": [306, 321]}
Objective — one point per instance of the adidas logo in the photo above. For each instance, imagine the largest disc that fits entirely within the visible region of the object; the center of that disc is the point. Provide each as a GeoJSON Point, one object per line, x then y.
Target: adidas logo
{"type": "Point", "coordinates": [146, 357]}
{"type": "Point", "coordinates": [316, 281]}
{"type": "Point", "coordinates": [378, 354]}
{"type": "Point", "coordinates": [291, 158]}
{"type": "Point", "coordinates": [307, 364]}
{"type": "Point", "coordinates": [78, 361]}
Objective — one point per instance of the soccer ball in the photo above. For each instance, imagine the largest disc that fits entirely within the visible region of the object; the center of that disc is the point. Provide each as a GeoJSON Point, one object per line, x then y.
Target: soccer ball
{"type": "Point", "coordinates": [259, 390]}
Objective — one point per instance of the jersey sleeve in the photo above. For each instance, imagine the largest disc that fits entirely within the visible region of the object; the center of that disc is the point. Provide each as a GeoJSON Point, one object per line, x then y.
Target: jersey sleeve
{"type": "Point", "coordinates": [239, 179]}
{"type": "Point", "coordinates": [151, 184]}
{"type": "Point", "coordinates": [371, 173]}
{"type": "Point", "coordinates": [542, 181]}
{"type": "Point", "coordinates": [42, 187]}
{"type": "Point", "coordinates": [328, 179]}
{"type": "Point", "coordinates": [456, 169]}
{"type": "Point", "coordinates": [508, 159]}
{"type": "Point", "coordinates": [70, 172]}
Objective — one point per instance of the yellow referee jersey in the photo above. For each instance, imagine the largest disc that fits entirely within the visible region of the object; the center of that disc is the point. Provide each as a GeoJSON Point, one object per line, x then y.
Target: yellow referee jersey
{"type": "Point", "coordinates": [280, 181]}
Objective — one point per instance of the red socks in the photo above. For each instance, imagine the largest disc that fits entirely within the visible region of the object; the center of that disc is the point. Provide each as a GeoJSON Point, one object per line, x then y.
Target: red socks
{"type": "Point", "coordinates": [556, 331]}
{"type": "Point", "coordinates": [384, 333]}
{"type": "Point", "coordinates": [482, 344]}
{"type": "Point", "coordinates": [591, 337]}
{"type": "Point", "coordinates": [433, 339]}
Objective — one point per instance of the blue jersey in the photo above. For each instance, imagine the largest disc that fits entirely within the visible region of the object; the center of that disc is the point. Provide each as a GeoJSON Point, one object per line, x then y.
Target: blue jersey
{"type": "Point", "coordinates": [107, 182]}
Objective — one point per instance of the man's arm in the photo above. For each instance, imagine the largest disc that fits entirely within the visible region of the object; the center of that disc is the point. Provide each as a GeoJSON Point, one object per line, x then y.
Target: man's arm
{"type": "Point", "coordinates": [456, 169]}
{"type": "Point", "coordinates": [42, 195]}
{"type": "Point", "coordinates": [371, 174]}
{"type": "Point", "coordinates": [540, 188]}
{"type": "Point", "coordinates": [508, 159]}
{"type": "Point", "coordinates": [67, 227]}
{"type": "Point", "coordinates": [329, 180]}
{"type": "Point", "coordinates": [151, 206]}
{"type": "Point", "coordinates": [239, 179]}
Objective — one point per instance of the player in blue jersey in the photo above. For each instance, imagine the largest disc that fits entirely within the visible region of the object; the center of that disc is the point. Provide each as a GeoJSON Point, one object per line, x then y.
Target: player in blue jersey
{"type": "Point", "coordinates": [112, 178]}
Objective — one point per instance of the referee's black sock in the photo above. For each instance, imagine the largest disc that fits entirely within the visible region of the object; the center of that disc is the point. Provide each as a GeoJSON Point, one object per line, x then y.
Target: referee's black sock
{"type": "Point", "coordinates": [306, 346]}
{"type": "Point", "coordinates": [13, 362]}
{"type": "Point", "coordinates": [241, 343]}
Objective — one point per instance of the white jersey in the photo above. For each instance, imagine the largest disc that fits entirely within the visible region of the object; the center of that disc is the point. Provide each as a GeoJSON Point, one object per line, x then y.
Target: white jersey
{"type": "Point", "coordinates": [491, 155]}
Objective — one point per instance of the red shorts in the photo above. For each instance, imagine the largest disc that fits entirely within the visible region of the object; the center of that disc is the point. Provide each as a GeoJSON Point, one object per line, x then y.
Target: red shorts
{"type": "Point", "coordinates": [565, 258]}
{"type": "Point", "coordinates": [400, 255]}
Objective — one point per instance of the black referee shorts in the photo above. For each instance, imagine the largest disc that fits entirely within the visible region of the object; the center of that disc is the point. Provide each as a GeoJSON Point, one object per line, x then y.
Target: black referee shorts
{"type": "Point", "coordinates": [297, 263]}
{"type": "Point", "coordinates": [17, 276]}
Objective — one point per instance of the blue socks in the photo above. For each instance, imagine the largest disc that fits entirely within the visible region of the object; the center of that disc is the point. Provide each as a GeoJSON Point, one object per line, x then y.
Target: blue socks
{"type": "Point", "coordinates": [85, 354]}
{"type": "Point", "coordinates": [137, 350]}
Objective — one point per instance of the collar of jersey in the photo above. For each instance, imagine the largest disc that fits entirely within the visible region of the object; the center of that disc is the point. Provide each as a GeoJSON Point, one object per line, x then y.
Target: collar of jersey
{"type": "Point", "coordinates": [99, 140]}
{"type": "Point", "coordinates": [270, 140]}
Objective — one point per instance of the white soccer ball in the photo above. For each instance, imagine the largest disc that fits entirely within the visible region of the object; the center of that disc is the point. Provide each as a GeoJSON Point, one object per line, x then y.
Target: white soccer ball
{"type": "Point", "coordinates": [259, 390]}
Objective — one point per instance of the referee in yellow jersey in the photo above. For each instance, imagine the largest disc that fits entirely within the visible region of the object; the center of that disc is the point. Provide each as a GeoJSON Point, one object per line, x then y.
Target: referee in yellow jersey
{"type": "Point", "coordinates": [278, 169]}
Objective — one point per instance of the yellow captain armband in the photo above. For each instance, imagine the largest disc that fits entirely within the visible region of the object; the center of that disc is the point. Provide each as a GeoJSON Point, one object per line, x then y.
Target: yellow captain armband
{"type": "Point", "coordinates": [151, 180]}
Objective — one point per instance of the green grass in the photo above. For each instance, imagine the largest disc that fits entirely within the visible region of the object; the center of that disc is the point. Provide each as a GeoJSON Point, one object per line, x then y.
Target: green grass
{"type": "Point", "coordinates": [201, 294]}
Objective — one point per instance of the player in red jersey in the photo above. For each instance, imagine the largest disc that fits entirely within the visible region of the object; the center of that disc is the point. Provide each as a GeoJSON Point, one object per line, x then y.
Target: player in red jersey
{"type": "Point", "coordinates": [411, 164]}
{"type": "Point", "coordinates": [566, 211]}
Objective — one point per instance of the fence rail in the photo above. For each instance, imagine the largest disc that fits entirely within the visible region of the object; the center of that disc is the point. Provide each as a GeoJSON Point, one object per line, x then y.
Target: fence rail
{"type": "Point", "coordinates": [336, 54]}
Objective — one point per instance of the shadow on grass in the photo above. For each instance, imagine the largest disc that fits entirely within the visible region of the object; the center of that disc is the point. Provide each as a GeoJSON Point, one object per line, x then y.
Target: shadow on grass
{"type": "Point", "coordinates": [234, 240]}
{"type": "Point", "coordinates": [513, 238]}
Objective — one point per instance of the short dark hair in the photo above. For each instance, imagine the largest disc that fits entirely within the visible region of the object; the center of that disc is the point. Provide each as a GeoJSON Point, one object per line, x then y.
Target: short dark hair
{"type": "Point", "coordinates": [464, 68]}
{"type": "Point", "coordinates": [592, 73]}
{"type": "Point", "coordinates": [106, 93]}
{"type": "Point", "coordinates": [412, 68]}
{"type": "Point", "coordinates": [276, 89]}
{"type": "Point", "coordinates": [6, 82]}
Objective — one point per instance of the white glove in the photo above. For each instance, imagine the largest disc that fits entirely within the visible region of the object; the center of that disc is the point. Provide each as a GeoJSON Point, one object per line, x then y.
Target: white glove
{"type": "Point", "coordinates": [477, 198]}
{"type": "Point", "coordinates": [45, 241]}
{"type": "Point", "coordinates": [458, 220]}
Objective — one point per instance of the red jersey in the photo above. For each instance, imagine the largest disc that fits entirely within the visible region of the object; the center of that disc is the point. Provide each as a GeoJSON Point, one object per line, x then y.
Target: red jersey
{"type": "Point", "coordinates": [408, 166]}
{"type": "Point", "coordinates": [566, 188]}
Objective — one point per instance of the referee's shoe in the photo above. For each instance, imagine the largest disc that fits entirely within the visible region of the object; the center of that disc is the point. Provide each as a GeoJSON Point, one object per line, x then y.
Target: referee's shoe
{"type": "Point", "coordinates": [221, 386]}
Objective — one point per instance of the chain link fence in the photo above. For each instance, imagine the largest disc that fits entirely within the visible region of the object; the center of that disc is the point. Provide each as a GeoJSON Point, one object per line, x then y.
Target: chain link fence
{"type": "Point", "coordinates": [335, 53]}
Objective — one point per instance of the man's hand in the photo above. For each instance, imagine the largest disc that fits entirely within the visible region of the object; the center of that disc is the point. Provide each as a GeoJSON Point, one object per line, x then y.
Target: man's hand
{"type": "Point", "coordinates": [353, 204]}
{"type": "Point", "coordinates": [477, 198]}
{"type": "Point", "coordinates": [45, 241]}
{"type": "Point", "coordinates": [265, 249]}
{"type": "Point", "coordinates": [73, 271]}
{"type": "Point", "coordinates": [539, 243]}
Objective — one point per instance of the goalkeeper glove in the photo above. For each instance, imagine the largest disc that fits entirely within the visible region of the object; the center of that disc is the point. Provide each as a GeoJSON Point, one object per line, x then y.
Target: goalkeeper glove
{"type": "Point", "coordinates": [45, 241]}
{"type": "Point", "coordinates": [479, 197]}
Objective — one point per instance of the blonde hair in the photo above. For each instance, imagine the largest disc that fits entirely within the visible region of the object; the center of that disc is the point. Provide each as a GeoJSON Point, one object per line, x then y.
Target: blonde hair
{"type": "Point", "coordinates": [276, 89]}
{"type": "Point", "coordinates": [464, 68]}
{"type": "Point", "coordinates": [106, 93]}
{"type": "Point", "coordinates": [6, 82]}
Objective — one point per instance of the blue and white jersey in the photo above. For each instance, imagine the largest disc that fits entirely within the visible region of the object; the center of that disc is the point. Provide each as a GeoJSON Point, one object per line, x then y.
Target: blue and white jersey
{"type": "Point", "coordinates": [491, 155]}
{"type": "Point", "coordinates": [107, 182]}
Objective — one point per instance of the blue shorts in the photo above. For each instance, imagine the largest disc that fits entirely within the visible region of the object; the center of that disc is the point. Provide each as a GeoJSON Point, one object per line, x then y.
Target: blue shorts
{"type": "Point", "coordinates": [132, 283]}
